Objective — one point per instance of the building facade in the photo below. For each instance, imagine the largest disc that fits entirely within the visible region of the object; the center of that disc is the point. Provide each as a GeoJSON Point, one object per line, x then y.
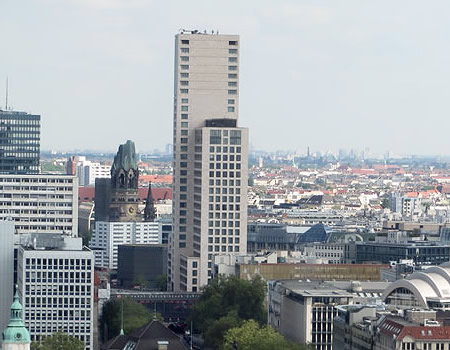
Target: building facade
{"type": "Point", "coordinates": [19, 142]}
{"type": "Point", "coordinates": [56, 287]}
{"type": "Point", "coordinates": [40, 203]}
{"type": "Point", "coordinates": [143, 264]}
{"type": "Point", "coordinates": [303, 311]}
{"type": "Point", "coordinates": [210, 158]}
{"type": "Point", "coordinates": [6, 270]}
{"type": "Point", "coordinates": [108, 236]}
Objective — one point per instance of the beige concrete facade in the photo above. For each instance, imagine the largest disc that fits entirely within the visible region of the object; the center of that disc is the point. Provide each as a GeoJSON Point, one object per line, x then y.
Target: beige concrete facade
{"type": "Point", "coordinates": [206, 104]}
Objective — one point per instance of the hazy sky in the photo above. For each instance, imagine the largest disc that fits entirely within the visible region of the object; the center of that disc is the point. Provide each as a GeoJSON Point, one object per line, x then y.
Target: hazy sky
{"type": "Point", "coordinates": [328, 74]}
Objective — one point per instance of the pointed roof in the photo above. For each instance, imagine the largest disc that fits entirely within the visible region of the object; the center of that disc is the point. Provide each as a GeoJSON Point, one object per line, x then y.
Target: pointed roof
{"type": "Point", "coordinates": [16, 332]}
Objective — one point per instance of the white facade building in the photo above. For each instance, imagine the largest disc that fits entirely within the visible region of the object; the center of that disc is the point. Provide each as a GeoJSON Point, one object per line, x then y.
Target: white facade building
{"type": "Point", "coordinates": [88, 171]}
{"type": "Point", "coordinates": [108, 236]}
{"type": "Point", "coordinates": [210, 159]}
{"type": "Point", "coordinates": [55, 277]}
{"type": "Point", "coordinates": [40, 203]}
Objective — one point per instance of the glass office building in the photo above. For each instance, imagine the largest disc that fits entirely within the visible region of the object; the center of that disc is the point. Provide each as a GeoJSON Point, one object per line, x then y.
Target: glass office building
{"type": "Point", "coordinates": [19, 142]}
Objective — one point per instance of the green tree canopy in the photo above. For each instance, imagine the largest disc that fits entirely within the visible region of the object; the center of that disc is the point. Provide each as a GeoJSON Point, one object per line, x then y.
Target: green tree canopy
{"type": "Point", "coordinates": [225, 303]}
{"type": "Point", "coordinates": [58, 341]}
{"type": "Point", "coordinates": [135, 315]}
{"type": "Point", "coordinates": [250, 335]}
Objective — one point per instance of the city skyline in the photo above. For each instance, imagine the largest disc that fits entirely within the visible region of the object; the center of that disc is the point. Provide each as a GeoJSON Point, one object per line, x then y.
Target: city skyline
{"type": "Point", "coordinates": [346, 75]}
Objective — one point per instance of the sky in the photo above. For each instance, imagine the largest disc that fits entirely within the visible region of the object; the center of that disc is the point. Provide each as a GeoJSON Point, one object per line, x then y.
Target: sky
{"type": "Point", "coordinates": [348, 74]}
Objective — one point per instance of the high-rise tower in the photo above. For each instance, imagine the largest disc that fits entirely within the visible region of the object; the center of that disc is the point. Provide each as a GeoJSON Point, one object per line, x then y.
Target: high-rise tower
{"type": "Point", "coordinates": [210, 159]}
{"type": "Point", "coordinates": [19, 142]}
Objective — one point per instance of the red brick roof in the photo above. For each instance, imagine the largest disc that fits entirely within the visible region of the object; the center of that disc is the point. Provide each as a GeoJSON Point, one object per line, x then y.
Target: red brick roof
{"type": "Point", "coordinates": [87, 194]}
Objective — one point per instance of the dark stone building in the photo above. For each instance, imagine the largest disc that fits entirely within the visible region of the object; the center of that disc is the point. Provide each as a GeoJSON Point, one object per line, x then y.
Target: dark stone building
{"type": "Point", "coordinates": [117, 199]}
{"type": "Point", "coordinates": [141, 261]}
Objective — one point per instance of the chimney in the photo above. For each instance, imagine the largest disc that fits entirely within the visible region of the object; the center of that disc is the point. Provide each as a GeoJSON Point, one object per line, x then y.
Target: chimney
{"type": "Point", "coordinates": [163, 345]}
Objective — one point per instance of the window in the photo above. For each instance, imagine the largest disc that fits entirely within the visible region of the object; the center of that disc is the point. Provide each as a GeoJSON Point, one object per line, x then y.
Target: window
{"type": "Point", "coordinates": [184, 100]}
{"type": "Point", "coordinates": [232, 59]}
{"type": "Point", "coordinates": [185, 42]}
{"type": "Point", "coordinates": [184, 108]}
{"type": "Point", "coordinates": [235, 137]}
{"type": "Point", "coordinates": [184, 116]}
{"type": "Point", "coordinates": [230, 92]}
{"type": "Point", "coordinates": [230, 109]}
{"type": "Point", "coordinates": [184, 58]}
{"type": "Point", "coordinates": [231, 102]}
{"type": "Point", "coordinates": [215, 137]}
{"type": "Point", "coordinates": [185, 50]}
{"type": "Point", "coordinates": [184, 67]}
{"type": "Point", "coordinates": [232, 83]}
{"type": "Point", "coordinates": [184, 83]}
{"type": "Point", "coordinates": [184, 75]}
{"type": "Point", "coordinates": [232, 51]}
{"type": "Point", "coordinates": [185, 91]}
{"type": "Point", "coordinates": [232, 76]}
{"type": "Point", "coordinates": [232, 68]}
{"type": "Point", "coordinates": [185, 124]}
{"type": "Point", "coordinates": [234, 43]}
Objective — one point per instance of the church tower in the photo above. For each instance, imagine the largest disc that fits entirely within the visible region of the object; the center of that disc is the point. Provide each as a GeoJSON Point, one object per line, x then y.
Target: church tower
{"type": "Point", "coordinates": [124, 205]}
{"type": "Point", "coordinates": [16, 336]}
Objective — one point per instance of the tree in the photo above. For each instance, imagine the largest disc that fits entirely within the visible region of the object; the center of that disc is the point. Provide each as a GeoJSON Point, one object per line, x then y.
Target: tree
{"type": "Point", "coordinates": [161, 283]}
{"type": "Point", "coordinates": [135, 315]}
{"type": "Point", "coordinates": [250, 335]}
{"type": "Point", "coordinates": [140, 281]}
{"type": "Point", "coordinates": [216, 331]}
{"type": "Point", "coordinates": [58, 341]}
{"type": "Point", "coordinates": [225, 303]}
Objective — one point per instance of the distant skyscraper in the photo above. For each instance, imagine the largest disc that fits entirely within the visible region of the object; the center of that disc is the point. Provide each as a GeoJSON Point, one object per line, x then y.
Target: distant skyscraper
{"type": "Point", "coordinates": [210, 159]}
{"type": "Point", "coordinates": [19, 142]}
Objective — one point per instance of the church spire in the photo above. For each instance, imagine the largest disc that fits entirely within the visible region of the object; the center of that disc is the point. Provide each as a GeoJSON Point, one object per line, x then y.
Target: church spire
{"type": "Point", "coordinates": [150, 210]}
{"type": "Point", "coordinates": [15, 332]}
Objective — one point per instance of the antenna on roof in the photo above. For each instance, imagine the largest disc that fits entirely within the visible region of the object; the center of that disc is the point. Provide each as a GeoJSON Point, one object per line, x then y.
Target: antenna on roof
{"type": "Point", "coordinates": [6, 105]}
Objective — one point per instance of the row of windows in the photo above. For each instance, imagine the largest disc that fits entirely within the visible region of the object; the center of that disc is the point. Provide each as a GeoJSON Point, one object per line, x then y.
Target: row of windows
{"type": "Point", "coordinates": [225, 149]}
{"type": "Point", "coordinates": [224, 165]}
{"type": "Point", "coordinates": [230, 51]}
{"type": "Point", "coordinates": [224, 232]}
{"type": "Point", "coordinates": [231, 207]}
{"type": "Point", "coordinates": [230, 92]}
{"type": "Point", "coordinates": [218, 223]}
{"type": "Point", "coordinates": [223, 240]}
{"type": "Point", "coordinates": [223, 248]}
{"type": "Point", "coordinates": [56, 262]}
{"type": "Point", "coordinates": [224, 190]}
{"type": "Point", "coordinates": [224, 174]}
{"type": "Point", "coordinates": [31, 179]}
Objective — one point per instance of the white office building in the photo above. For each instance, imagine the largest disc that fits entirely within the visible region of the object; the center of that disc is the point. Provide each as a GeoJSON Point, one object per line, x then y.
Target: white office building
{"type": "Point", "coordinates": [108, 236]}
{"type": "Point", "coordinates": [55, 277]}
{"type": "Point", "coordinates": [88, 171]}
{"type": "Point", "coordinates": [210, 159]}
{"type": "Point", "coordinates": [40, 203]}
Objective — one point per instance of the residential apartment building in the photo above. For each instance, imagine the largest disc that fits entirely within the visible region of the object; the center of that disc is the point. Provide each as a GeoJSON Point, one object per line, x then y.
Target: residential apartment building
{"type": "Point", "coordinates": [40, 203]}
{"type": "Point", "coordinates": [210, 159]}
{"type": "Point", "coordinates": [19, 142]}
{"type": "Point", "coordinates": [55, 286]}
{"type": "Point", "coordinates": [108, 235]}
